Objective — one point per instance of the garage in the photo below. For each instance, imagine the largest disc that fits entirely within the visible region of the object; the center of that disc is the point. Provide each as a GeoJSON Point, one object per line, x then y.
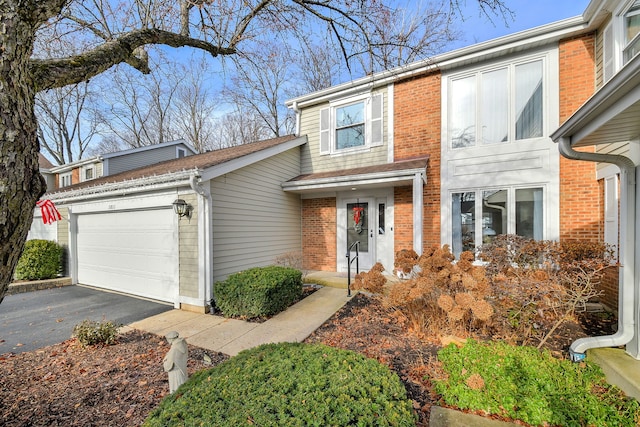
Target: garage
{"type": "Point", "coordinates": [134, 252]}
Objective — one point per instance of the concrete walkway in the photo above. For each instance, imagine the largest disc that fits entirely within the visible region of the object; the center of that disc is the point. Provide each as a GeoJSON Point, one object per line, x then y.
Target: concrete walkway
{"type": "Point", "coordinates": [230, 336]}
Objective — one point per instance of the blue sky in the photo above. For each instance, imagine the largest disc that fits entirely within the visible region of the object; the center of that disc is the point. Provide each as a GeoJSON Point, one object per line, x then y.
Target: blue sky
{"type": "Point", "coordinates": [528, 14]}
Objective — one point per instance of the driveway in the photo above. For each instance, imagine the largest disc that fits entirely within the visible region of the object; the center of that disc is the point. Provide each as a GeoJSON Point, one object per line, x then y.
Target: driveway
{"type": "Point", "coordinates": [37, 319]}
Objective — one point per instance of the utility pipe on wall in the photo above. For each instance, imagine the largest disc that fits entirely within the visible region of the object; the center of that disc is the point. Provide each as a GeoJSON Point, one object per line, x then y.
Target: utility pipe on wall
{"type": "Point", "coordinates": [626, 295]}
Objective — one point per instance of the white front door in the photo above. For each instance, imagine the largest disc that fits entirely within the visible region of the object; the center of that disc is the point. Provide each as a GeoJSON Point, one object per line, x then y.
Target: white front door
{"type": "Point", "coordinates": [368, 221]}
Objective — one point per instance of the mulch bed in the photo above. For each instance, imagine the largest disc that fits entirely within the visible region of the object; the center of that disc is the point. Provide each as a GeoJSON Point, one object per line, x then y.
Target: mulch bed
{"type": "Point", "coordinates": [68, 385]}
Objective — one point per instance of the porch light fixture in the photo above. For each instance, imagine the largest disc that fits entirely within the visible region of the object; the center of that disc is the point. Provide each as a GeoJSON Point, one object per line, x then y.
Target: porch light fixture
{"type": "Point", "coordinates": [181, 208]}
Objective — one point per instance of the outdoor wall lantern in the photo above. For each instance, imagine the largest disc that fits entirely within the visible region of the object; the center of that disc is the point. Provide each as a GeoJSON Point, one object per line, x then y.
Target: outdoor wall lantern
{"type": "Point", "coordinates": [181, 208]}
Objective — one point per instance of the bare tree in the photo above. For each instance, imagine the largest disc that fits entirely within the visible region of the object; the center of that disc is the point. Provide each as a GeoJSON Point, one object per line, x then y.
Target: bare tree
{"type": "Point", "coordinates": [137, 109]}
{"type": "Point", "coordinates": [194, 104]}
{"type": "Point", "coordinates": [258, 86]}
{"type": "Point", "coordinates": [112, 33]}
{"type": "Point", "coordinates": [240, 127]}
{"type": "Point", "coordinates": [65, 125]}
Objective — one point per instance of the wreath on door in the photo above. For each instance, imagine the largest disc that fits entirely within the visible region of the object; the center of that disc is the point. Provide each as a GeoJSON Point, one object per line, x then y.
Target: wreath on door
{"type": "Point", "coordinates": [358, 218]}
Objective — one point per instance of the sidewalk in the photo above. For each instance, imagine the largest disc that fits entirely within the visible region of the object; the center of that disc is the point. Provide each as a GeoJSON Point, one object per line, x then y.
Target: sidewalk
{"type": "Point", "coordinates": [230, 336]}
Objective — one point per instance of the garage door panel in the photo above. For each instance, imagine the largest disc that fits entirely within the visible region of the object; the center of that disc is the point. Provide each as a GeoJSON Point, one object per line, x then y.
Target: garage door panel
{"type": "Point", "coordinates": [134, 252]}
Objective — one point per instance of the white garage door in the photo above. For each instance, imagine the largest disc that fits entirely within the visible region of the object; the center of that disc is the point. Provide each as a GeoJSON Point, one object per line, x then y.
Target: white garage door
{"type": "Point", "coordinates": [134, 252]}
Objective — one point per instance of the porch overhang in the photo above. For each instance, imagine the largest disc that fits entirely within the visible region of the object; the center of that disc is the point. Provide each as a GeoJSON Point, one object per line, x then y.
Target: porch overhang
{"type": "Point", "coordinates": [397, 174]}
{"type": "Point", "coordinates": [610, 115]}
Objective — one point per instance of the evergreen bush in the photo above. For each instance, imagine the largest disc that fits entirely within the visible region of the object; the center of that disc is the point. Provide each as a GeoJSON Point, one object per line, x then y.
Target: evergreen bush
{"type": "Point", "coordinates": [257, 292]}
{"type": "Point", "coordinates": [40, 260]}
{"type": "Point", "coordinates": [289, 384]}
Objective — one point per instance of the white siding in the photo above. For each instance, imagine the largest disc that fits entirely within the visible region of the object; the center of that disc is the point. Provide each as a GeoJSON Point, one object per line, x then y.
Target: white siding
{"type": "Point", "coordinates": [254, 221]}
{"type": "Point", "coordinates": [620, 148]}
{"type": "Point", "coordinates": [313, 162]}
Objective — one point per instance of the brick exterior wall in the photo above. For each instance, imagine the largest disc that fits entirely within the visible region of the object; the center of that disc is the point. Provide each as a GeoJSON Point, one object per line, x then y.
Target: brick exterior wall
{"type": "Point", "coordinates": [581, 198]}
{"type": "Point", "coordinates": [417, 118]}
{"type": "Point", "coordinates": [581, 195]}
{"type": "Point", "coordinates": [319, 234]}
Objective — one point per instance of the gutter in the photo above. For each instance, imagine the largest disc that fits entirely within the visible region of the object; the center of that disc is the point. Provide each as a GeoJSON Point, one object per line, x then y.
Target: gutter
{"type": "Point", "coordinates": [626, 294]}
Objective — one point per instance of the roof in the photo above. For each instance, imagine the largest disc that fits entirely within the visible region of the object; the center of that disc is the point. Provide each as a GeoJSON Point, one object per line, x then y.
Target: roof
{"type": "Point", "coordinates": [43, 163]}
{"type": "Point", "coordinates": [196, 162]}
{"type": "Point", "coordinates": [399, 173]}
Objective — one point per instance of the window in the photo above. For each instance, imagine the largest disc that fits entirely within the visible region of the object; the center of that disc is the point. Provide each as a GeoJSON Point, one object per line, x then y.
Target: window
{"type": "Point", "coordinates": [88, 173]}
{"type": "Point", "coordinates": [65, 179]}
{"type": "Point", "coordinates": [180, 152]}
{"type": "Point", "coordinates": [352, 125]}
{"type": "Point", "coordinates": [497, 105]}
{"type": "Point", "coordinates": [503, 211]}
{"type": "Point", "coordinates": [632, 31]}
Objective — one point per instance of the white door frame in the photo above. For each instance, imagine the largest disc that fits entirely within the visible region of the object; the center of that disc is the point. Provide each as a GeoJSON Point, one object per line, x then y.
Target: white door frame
{"type": "Point", "coordinates": [380, 242]}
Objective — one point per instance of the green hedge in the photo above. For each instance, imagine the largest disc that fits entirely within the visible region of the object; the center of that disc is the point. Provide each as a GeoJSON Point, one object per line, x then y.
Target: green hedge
{"type": "Point", "coordinates": [41, 259]}
{"type": "Point", "coordinates": [260, 291]}
{"type": "Point", "coordinates": [289, 384]}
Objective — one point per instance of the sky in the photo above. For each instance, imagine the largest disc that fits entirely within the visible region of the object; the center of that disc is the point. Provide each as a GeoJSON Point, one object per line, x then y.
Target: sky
{"type": "Point", "coordinates": [528, 14]}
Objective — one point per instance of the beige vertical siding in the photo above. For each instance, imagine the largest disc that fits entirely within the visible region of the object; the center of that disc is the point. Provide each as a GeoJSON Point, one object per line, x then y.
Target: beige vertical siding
{"type": "Point", "coordinates": [63, 237]}
{"type": "Point", "coordinates": [312, 161]}
{"type": "Point", "coordinates": [188, 249]}
{"type": "Point", "coordinates": [254, 221]}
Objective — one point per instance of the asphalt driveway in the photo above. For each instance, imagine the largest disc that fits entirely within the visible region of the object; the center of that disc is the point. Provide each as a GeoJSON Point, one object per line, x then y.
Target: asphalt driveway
{"type": "Point", "coordinates": [37, 319]}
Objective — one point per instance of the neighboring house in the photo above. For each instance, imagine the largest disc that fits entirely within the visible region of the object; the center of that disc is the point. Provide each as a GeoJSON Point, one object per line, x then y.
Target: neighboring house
{"type": "Point", "coordinates": [119, 161]}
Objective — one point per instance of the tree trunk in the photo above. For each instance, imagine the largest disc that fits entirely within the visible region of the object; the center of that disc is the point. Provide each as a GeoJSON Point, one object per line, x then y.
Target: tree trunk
{"type": "Point", "coordinates": [21, 184]}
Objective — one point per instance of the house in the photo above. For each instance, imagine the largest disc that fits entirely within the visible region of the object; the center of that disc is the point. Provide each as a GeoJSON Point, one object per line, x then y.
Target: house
{"type": "Point", "coordinates": [452, 150]}
{"type": "Point", "coordinates": [119, 161]}
{"type": "Point", "coordinates": [123, 233]}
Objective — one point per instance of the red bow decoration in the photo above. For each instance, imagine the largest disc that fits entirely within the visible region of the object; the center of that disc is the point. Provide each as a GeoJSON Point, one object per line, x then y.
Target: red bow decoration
{"type": "Point", "coordinates": [49, 212]}
{"type": "Point", "coordinates": [357, 214]}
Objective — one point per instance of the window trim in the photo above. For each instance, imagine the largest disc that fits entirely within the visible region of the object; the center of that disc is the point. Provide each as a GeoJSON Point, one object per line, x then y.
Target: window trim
{"type": "Point", "coordinates": [373, 117]}
{"type": "Point", "coordinates": [63, 177]}
{"type": "Point", "coordinates": [510, 206]}
{"type": "Point", "coordinates": [477, 72]}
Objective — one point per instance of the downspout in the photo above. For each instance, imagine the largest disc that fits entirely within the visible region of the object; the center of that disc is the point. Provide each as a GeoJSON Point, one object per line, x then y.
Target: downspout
{"type": "Point", "coordinates": [626, 293]}
{"type": "Point", "coordinates": [196, 185]}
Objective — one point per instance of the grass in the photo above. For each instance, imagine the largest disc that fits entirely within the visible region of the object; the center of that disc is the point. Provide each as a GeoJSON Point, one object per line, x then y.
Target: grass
{"type": "Point", "coordinates": [523, 383]}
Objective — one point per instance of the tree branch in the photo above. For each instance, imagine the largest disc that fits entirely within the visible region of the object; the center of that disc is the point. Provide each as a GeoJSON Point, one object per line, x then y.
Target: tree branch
{"type": "Point", "coordinates": [51, 73]}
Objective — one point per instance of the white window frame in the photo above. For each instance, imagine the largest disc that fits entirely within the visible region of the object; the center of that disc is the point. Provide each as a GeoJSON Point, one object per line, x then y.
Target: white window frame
{"type": "Point", "coordinates": [373, 124]}
{"type": "Point", "coordinates": [510, 205]}
{"type": "Point", "coordinates": [180, 150]}
{"type": "Point", "coordinates": [87, 168]}
{"type": "Point", "coordinates": [65, 179]}
{"type": "Point", "coordinates": [511, 121]}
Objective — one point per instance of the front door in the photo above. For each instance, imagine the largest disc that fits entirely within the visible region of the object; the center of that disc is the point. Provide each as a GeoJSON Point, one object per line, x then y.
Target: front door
{"type": "Point", "coordinates": [368, 221]}
{"type": "Point", "coordinates": [360, 231]}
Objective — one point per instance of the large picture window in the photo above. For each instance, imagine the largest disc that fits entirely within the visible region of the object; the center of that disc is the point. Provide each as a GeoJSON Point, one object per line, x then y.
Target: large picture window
{"type": "Point", "coordinates": [502, 211]}
{"type": "Point", "coordinates": [497, 105]}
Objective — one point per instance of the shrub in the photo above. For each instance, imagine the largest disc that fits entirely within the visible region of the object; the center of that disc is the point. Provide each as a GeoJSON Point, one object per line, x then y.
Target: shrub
{"type": "Point", "coordinates": [526, 384]}
{"type": "Point", "coordinates": [260, 291]}
{"type": "Point", "coordinates": [41, 259]}
{"type": "Point", "coordinates": [90, 332]}
{"type": "Point", "coordinates": [290, 384]}
{"type": "Point", "coordinates": [372, 280]}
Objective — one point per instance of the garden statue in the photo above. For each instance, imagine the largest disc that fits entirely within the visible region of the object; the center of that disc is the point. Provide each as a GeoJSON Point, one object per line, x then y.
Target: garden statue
{"type": "Point", "coordinates": [175, 362]}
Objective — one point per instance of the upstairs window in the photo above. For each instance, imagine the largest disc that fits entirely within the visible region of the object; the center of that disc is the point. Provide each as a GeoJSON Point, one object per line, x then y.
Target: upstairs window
{"type": "Point", "coordinates": [496, 106]}
{"type": "Point", "coordinates": [89, 174]}
{"type": "Point", "coordinates": [65, 179]}
{"type": "Point", "coordinates": [352, 125]}
{"type": "Point", "coordinates": [632, 31]}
